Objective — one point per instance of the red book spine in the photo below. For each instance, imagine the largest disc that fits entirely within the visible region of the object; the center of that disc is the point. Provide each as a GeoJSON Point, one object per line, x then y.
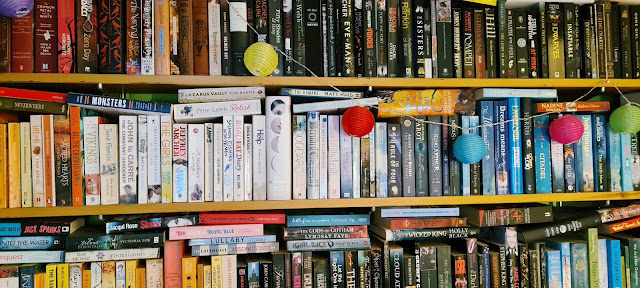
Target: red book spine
{"type": "Point", "coordinates": [5, 44]}
{"type": "Point", "coordinates": [87, 22]}
{"type": "Point", "coordinates": [46, 48]}
{"type": "Point", "coordinates": [621, 226]}
{"type": "Point", "coordinates": [22, 44]}
{"type": "Point", "coordinates": [110, 46]}
{"type": "Point", "coordinates": [412, 223]}
{"type": "Point", "coordinates": [33, 95]}
{"type": "Point", "coordinates": [77, 196]}
{"type": "Point", "coordinates": [241, 218]}
{"type": "Point", "coordinates": [134, 31]}
{"type": "Point", "coordinates": [67, 36]}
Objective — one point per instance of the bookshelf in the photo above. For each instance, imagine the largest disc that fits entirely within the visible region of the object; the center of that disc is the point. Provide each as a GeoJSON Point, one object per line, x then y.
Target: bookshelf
{"type": "Point", "coordinates": [312, 204]}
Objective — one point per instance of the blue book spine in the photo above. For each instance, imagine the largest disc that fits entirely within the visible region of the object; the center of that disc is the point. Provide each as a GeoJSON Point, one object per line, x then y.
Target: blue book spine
{"type": "Point", "coordinates": [454, 165]}
{"type": "Point", "coordinates": [89, 101]}
{"type": "Point", "coordinates": [613, 263]}
{"type": "Point", "coordinates": [27, 275]}
{"type": "Point", "coordinates": [584, 157]}
{"type": "Point", "coordinates": [381, 159]}
{"type": "Point", "coordinates": [32, 243]}
{"type": "Point", "coordinates": [337, 268]}
{"type": "Point", "coordinates": [346, 165]}
{"type": "Point", "coordinates": [569, 168]}
{"type": "Point", "coordinates": [600, 154]}
{"type": "Point", "coordinates": [466, 168]}
{"type": "Point", "coordinates": [10, 229]}
{"type": "Point", "coordinates": [476, 172]}
{"type": "Point", "coordinates": [434, 138]}
{"type": "Point", "coordinates": [232, 240]}
{"type": "Point", "coordinates": [502, 148]}
{"type": "Point", "coordinates": [554, 269]}
{"type": "Point", "coordinates": [395, 160]}
{"type": "Point", "coordinates": [253, 271]}
{"type": "Point", "coordinates": [327, 220]}
{"type": "Point", "coordinates": [486, 263]}
{"type": "Point", "coordinates": [488, 162]}
{"type": "Point", "coordinates": [625, 158]}
{"type": "Point", "coordinates": [446, 146]}
{"type": "Point", "coordinates": [579, 277]}
{"type": "Point", "coordinates": [515, 146]}
{"type": "Point", "coordinates": [614, 159]}
{"type": "Point", "coordinates": [557, 163]}
{"type": "Point", "coordinates": [542, 153]}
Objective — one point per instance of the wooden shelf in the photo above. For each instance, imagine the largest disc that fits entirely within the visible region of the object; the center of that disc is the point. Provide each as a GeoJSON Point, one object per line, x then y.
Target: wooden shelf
{"type": "Point", "coordinates": [312, 204]}
{"type": "Point", "coordinates": [177, 81]}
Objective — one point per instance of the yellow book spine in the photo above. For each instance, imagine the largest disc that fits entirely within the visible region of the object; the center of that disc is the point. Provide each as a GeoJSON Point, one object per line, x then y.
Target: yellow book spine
{"type": "Point", "coordinates": [207, 276]}
{"type": "Point", "coordinates": [200, 276]}
{"type": "Point", "coordinates": [14, 170]}
{"type": "Point", "coordinates": [189, 272]}
{"type": "Point", "coordinates": [131, 266]}
{"type": "Point", "coordinates": [86, 277]}
{"type": "Point", "coordinates": [4, 185]}
{"type": "Point", "coordinates": [141, 277]}
{"type": "Point", "coordinates": [216, 271]}
{"type": "Point", "coordinates": [25, 164]}
{"type": "Point", "coordinates": [108, 274]}
{"type": "Point", "coordinates": [63, 275]}
{"type": "Point", "coordinates": [39, 281]}
{"type": "Point", "coordinates": [51, 276]}
{"type": "Point", "coordinates": [49, 161]}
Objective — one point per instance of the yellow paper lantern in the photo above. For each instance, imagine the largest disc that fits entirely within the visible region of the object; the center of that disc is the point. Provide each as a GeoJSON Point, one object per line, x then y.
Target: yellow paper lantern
{"type": "Point", "coordinates": [261, 59]}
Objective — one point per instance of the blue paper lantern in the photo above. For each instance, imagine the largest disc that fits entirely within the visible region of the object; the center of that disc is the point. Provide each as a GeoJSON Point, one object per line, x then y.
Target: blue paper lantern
{"type": "Point", "coordinates": [469, 148]}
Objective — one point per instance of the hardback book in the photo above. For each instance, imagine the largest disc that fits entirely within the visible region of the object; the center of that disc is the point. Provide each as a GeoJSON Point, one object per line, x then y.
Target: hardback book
{"type": "Point", "coordinates": [166, 156]}
{"type": "Point", "coordinates": [110, 39]}
{"type": "Point", "coordinates": [128, 137]}
{"type": "Point", "coordinates": [154, 168]}
{"type": "Point", "coordinates": [143, 158]}
{"type": "Point", "coordinates": [180, 164]}
{"type": "Point", "coordinates": [147, 62]}
{"type": "Point", "coordinates": [67, 50]}
{"type": "Point", "coordinates": [199, 24]}
{"type": "Point", "coordinates": [109, 169]}
{"type": "Point", "coordinates": [299, 140]}
{"type": "Point", "coordinates": [196, 160]}
{"type": "Point", "coordinates": [5, 44]}
{"type": "Point", "coordinates": [200, 112]}
{"type": "Point", "coordinates": [483, 216]}
{"type": "Point", "coordinates": [133, 30]}
{"type": "Point", "coordinates": [424, 234]}
{"type": "Point", "coordinates": [346, 164]}
{"type": "Point", "coordinates": [333, 157]}
{"type": "Point", "coordinates": [247, 147]}
{"type": "Point", "coordinates": [22, 43]}
{"type": "Point", "coordinates": [46, 35]}
{"type": "Point", "coordinates": [259, 158]}
{"type": "Point", "coordinates": [215, 41]}
{"type": "Point", "coordinates": [543, 154]}
{"type": "Point", "coordinates": [278, 109]}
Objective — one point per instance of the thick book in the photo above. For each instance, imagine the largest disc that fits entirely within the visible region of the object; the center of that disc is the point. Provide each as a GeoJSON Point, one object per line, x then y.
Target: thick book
{"type": "Point", "coordinates": [407, 151]}
{"type": "Point", "coordinates": [571, 40]}
{"type": "Point", "coordinates": [128, 140]}
{"type": "Point", "coordinates": [328, 244]}
{"type": "Point", "coordinates": [231, 249]}
{"type": "Point", "coordinates": [457, 42]}
{"type": "Point", "coordinates": [392, 38]}
{"type": "Point", "coordinates": [501, 148]}
{"type": "Point", "coordinates": [482, 216]}
{"type": "Point", "coordinates": [578, 106]}
{"type": "Point", "coordinates": [468, 43]}
{"type": "Point", "coordinates": [238, 36]}
{"type": "Point", "coordinates": [424, 234]}
{"type": "Point", "coordinates": [420, 223]}
{"type": "Point", "coordinates": [394, 160]}
{"type": "Point", "coordinates": [32, 106]}
{"type": "Point", "coordinates": [521, 47]}
{"type": "Point", "coordinates": [39, 227]}
{"type": "Point", "coordinates": [543, 231]}
{"type": "Point", "coordinates": [393, 103]}
{"type": "Point", "coordinates": [421, 158]}
{"type": "Point", "coordinates": [555, 40]}
{"type": "Point", "coordinates": [328, 232]}
{"type": "Point", "coordinates": [90, 239]}
{"type": "Point", "coordinates": [542, 149]}
{"type": "Point", "coordinates": [515, 146]}
{"type": "Point", "coordinates": [299, 144]}
{"type": "Point", "coordinates": [111, 39]}
{"type": "Point", "coordinates": [22, 44]}
{"type": "Point", "coordinates": [121, 225]}
{"type": "Point", "coordinates": [111, 255]}
{"type": "Point", "coordinates": [279, 171]}
{"type": "Point", "coordinates": [585, 181]}
{"type": "Point", "coordinates": [434, 152]}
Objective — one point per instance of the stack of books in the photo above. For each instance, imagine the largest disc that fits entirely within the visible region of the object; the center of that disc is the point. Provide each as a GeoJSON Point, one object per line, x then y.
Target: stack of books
{"type": "Point", "coordinates": [325, 232]}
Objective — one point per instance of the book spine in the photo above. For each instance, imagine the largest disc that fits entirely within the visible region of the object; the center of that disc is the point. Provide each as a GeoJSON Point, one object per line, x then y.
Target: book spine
{"type": "Point", "coordinates": [214, 41]}
{"type": "Point", "coordinates": [324, 158]}
{"type": "Point", "coordinates": [358, 34]}
{"type": "Point", "coordinates": [364, 164]}
{"type": "Point", "coordinates": [600, 153]}
{"type": "Point", "coordinates": [635, 43]}
{"type": "Point", "coordinates": [488, 161]}
{"type": "Point", "coordinates": [455, 168]}
{"type": "Point", "coordinates": [570, 41]}
{"type": "Point", "coordinates": [476, 182]}
{"type": "Point", "coordinates": [466, 168]}
{"type": "Point", "coordinates": [502, 149]}
{"type": "Point", "coordinates": [259, 158]}
{"type": "Point", "coordinates": [154, 182]}
{"type": "Point", "coordinates": [522, 53]}
{"type": "Point", "coordinates": [554, 270]}
{"type": "Point", "coordinates": [407, 131]}
{"type": "Point", "coordinates": [569, 168]}
{"type": "Point", "coordinates": [635, 161]}
{"type": "Point", "coordinates": [128, 150]}
{"type": "Point", "coordinates": [200, 35]}
{"type": "Point", "coordinates": [502, 38]}
{"type": "Point", "coordinates": [625, 158]}
{"type": "Point", "coordinates": [46, 31]}
{"type": "Point", "coordinates": [612, 24]}
{"type": "Point", "coordinates": [480, 45]}
{"type": "Point", "coordinates": [584, 157]}
{"type": "Point", "coordinates": [180, 164]}
{"type": "Point", "coordinates": [133, 31]}
{"type": "Point", "coordinates": [110, 40]}
{"type": "Point", "coordinates": [579, 277]}
{"type": "Point", "coordinates": [511, 45]}
{"type": "Point", "coordinates": [346, 165]}
{"type": "Point", "coordinates": [421, 158]}
{"type": "Point", "coordinates": [324, 220]}
{"type": "Point", "coordinates": [515, 145]}
{"type": "Point", "coordinates": [392, 38]}
{"type": "Point", "coordinates": [225, 39]}
{"type": "Point", "coordinates": [394, 163]}
{"type": "Point", "coordinates": [238, 36]}
{"type": "Point", "coordinates": [67, 52]}
{"type": "Point", "coordinates": [333, 168]}
{"type": "Point", "coordinates": [370, 28]}
{"type": "Point", "coordinates": [381, 149]}
{"type": "Point", "coordinates": [62, 167]}
{"type": "Point", "coordinates": [614, 160]}
{"type": "Point", "coordinates": [4, 175]}
{"type": "Point", "coordinates": [91, 160]}
{"type": "Point", "coordinates": [313, 36]}
{"type": "Point", "coordinates": [185, 35]}
{"type": "Point", "coordinates": [143, 159]}
{"type": "Point", "coordinates": [227, 156]}
{"type": "Point", "coordinates": [22, 43]}
{"type": "Point", "coordinates": [544, 55]}
{"type": "Point", "coordinates": [443, 34]}
{"type": "Point", "coordinates": [195, 232]}
{"type": "Point", "coordinates": [279, 173]}
{"type": "Point", "coordinates": [20, 257]}
{"type": "Point", "coordinates": [380, 14]}
{"type": "Point", "coordinates": [49, 159]}
{"type": "Point", "coordinates": [162, 47]}
{"type": "Point", "coordinates": [299, 141]}
{"type": "Point", "coordinates": [446, 158]}
{"type": "Point", "coordinates": [13, 156]}
{"type": "Point", "coordinates": [195, 158]}
{"type": "Point", "coordinates": [468, 43]}
{"type": "Point", "coordinates": [77, 181]}
{"type": "Point", "coordinates": [557, 164]}
{"type": "Point", "coordinates": [313, 152]}
{"type": "Point", "coordinates": [406, 45]}
{"type": "Point", "coordinates": [328, 232]}
{"type": "Point", "coordinates": [25, 165]}
{"type": "Point", "coordinates": [5, 44]}
{"type": "Point", "coordinates": [288, 38]}
{"type": "Point", "coordinates": [147, 62]}
{"type": "Point", "coordinates": [347, 38]}
{"type": "Point", "coordinates": [533, 42]}
{"type": "Point", "coordinates": [166, 156]}
{"type": "Point", "coordinates": [555, 40]}
{"type": "Point", "coordinates": [248, 161]}
{"type": "Point", "coordinates": [435, 157]}
{"type": "Point", "coordinates": [613, 263]}
{"type": "Point", "coordinates": [491, 42]}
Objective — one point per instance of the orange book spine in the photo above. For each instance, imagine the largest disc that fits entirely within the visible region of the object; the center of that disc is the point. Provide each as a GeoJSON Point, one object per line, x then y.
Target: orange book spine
{"type": "Point", "coordinates": [14, 170]}
{"type": "Point", "coordinates": [47, 132]}
{"type": "Point", "coordinates": [76, 156]}
{"type": "Point", "coordinates": [141, 277]}
{"type": "Point", "coordinates": [162, 42]}
{"type": "Point", "coordinates": [173, 252]}
{"type": "Point", "coordinates": [39, 280]}
{"type": "Point", "coordinates": [86, 277]}
{"type": "Point", "coordinates": [189, 272]}
{"type": "Point", "coordinates": [4, 185]}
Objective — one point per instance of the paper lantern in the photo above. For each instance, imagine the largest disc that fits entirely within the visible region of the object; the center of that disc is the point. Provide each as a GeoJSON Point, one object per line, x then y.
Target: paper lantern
{"type": "Point", "coordinates": [469, 148]}
{"type": "Point", "coordinates": [358, 121]}
{"type": "Point", "coordinates": [15, 8]}
{"type": "Point", "coordinates": [261, 59]}
{"type": "Point", "coordinates": [625, 119]}
{"type": "Point", "coordinates": [566, 129]}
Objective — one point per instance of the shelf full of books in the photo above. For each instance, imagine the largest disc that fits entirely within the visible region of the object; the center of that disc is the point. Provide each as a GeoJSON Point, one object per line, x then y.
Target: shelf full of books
{"type": "Point", "coordinates": [393, 38]}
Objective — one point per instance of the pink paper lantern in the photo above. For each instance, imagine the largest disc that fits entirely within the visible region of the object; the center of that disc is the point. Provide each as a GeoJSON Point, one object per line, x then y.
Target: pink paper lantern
{"type": "Point", "coordinates": [566, 129]}
{"type": "Point", "coordinates": [358, 121]}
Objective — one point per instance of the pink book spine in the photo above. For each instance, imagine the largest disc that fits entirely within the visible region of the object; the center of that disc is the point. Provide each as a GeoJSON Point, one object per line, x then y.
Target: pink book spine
{"type": "Point", "coordinates": [215, 231]}
{"type": "Point", "coordinates": [173, 252]}
{"type": "Point", "coordinates": [241, 218]}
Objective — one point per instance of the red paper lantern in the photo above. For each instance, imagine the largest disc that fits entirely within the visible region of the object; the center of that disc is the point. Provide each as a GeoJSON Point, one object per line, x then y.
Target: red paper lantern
{"type": "Point", "coordinates": [358, 121]}
{"type": "Point", "coordinates": [566, 129]}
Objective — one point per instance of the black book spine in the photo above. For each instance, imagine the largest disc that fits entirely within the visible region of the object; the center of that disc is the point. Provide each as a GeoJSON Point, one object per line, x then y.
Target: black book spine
{"type": "Point", "coordinates": [396, 258]}
{"type": "Point", "coordinates": [479, 51]}
{"type": "Point", "coordinates": [544, 55]}
{"type": "Point", "coordinates": [454, 164]}
{"type": "Point", "coordinates": [325, 38]}
{"type": "Point", "coordinates": [472, 262]}
{"type": "Point", "coordinates": [608, 40]}
{"type": "Point", "coordinates": [275, 32]}
{"type": "Point", "coordinates": [288, 271]}
{"type": "Point", "coordinates": [313, 37]}
{"type": "Point", "coordinates": [504, 278]}
{"type": "Point", "coordinates": [351, 268]}
{"type": "Point", "coordinates": [381, 37]}
{"type": "Point", "coordinates": [358, 38]}
{"type": "Point", "coordinates": [427, 262]}
{"type": "Point", "coordinates": [527, 147]}
{"type": "Point", "coordinates": [524, 266]}
{"type": "Point", "coordinates": [238, 36]}
{"type": "Point", "coordinates": [446, 146]}
{"type": "Point", "coordinates": [307, 270]}
{"type": "Point", "coordinates": [522, 53]}
{"type": "Point", "coordinates": [278, 278]}
{"type": "Point", "coordinates": [242, 276]}
{"type": "Point", "coordinates": [251, 19]}
{"type": "Point", "coordinates": [266, 274]}
{"type": "Point", "coordinates": [443, 252]}
{"type": "Point", "coordinates": [418, 36]}
{"type": "Point", "coordinates": [468, 43]}
{"type": "Point", "coordinates": [444, 35]}
{"type": "Point", "coordinates": [586, 38]}
{"type": "Point", "coordinates": [409, 270]}
{"type": "Point", "coordinates": [376, 268]}
{"type": "Point", "coordinates": [533, 43]}
{"type": "Point", "coordinates": [408, 164]}
{"type": "Point", "coordinates": [625, 42]}
{"type": "Point", "coordinates": [435, 156]}
{"type": "Point", "coordinates": [458, 69]}
{"type": "Point", "coordinates": [339, 43]}
{"type": "Point", "coordinates": [428, 43]}
{"type": "Point", "coordinates": [434, 37]}
{"type": "Point", "coordinates": [287, 19]}
{"type": "Point", "coordinates": [226, 38]}
{"type": "Point", "coordinates": [299, 37]}
{"type": "Point", "coordinates": [555, 40]}
{"type": "Point", "coordinates": [571, 57]}
{"type": "Point", "coordinates": [406, 26]}
{"type": "Point", "coordinates": [394, 155]}
{"type": "Point", "coordinates": [600, 40]}
{"type": "Point", "coordinates": [392, 37]}
{"type": "Point", "coordinates": [347, 38]}
{"type": "Point", "coordinates": [512, 71]}
{"type": "Point", "coordinates": [261, 21]}
{"type": "Point", "coordinates": [635, 41]}
{"type": "Point", "coordinates": [421, 162]}
{"type": "Point", "coordinates": [331, 38]}
{"type": "Point", "coordinates": [502, 38]}
{"type": "Point", "coordinates": [543, 267]}
{"type": "Point", "coordinates": [320, 274]}
{"type": "Point", "coordinates": [491, 43]}
{"type": "Point", "coordinates": [615, 40]}
{"type": "Point", "coordinates": [370, 65]}
{"type": "Point", "coordinates": [554, 229]}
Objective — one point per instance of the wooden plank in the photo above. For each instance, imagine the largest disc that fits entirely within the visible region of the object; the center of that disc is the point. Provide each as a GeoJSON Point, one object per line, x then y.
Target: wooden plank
{"type": "Point", "coordinates": [312, 204]}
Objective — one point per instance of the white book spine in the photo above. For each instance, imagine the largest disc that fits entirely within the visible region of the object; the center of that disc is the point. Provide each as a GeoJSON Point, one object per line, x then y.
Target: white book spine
{"type": "Point", "coordinates": [381, 156]}
{"type": "Point", "coordinates": [196, 162]}
{"type": "Point", "coordinates": [259, 158]}
{"type": "Point", "coordinates": [278, 123]}
{"type": "Point", "coordinates": [323, 155]}
{"type": "Point", "coordinates": [218, 168]}
{"type": "Point", "coordinates": [108, 134]}
{"type": "Point", "coordinates": [355, 148]}
{"type": "Point", "coordinates": [180, 163]}
{"type": "Point", "coordinates": [91, 163]}
{"type": "Point", "coordinates": [238, 158]}
{"type": "Point", "coordinates": [208, 162]}
{"type": "Point", "coordinates": [25, 164]}
{"type": "Point", "coordinates": [313, 155]}
{"type": "Point", "coordinates": [223, 94]}
{"type": "Point", "coordinates": [346, 164]}
{"type": "Point", "coordinates": [227, 156]}
{"type": "Point", "coordinates": [602, 263]}
{"type": "Point", "coordinates": [128, 154]}
{"type": "Point", "coordinates": [372, 163]}
{"type": "Point", "coordinates": [230, 271]}
{"type": "Point", "coordinates": [154, 184]}
{"type": "Point", "coordinates": [143, 146]}
{"type": "Point", "coordinates": [333, 157]}
{"type": "Point", "coordinates": [248, 162]}
{"type": "Point", "coordinates": [215, 64]}
{"type": "Point", "coordinates": [111, 255]}
{"type": "Point", "coordinates": [166, 158]}
{"type": "Point", "coordinates": [96, 274]}
{"type": "Point", "coordinates": [201, 112]}
{"type": "Point", "coordinates": [121, 274]}
{"type": "Point", "coordinates": [75, 275]}
{"type": "Point", "coordinates": [147, 62]}
{"type": "Point", "coordinates": [299, 141]}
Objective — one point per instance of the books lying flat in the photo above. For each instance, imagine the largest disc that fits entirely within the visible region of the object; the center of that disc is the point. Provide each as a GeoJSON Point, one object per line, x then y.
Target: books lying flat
{"type": "Point", "coordinates": [328, 244]}
{"type": "Point", "coordinates": [328, 232]}
{"type": "Point", "coordinates": [33, 95]}
{"type": "Point", "coordinates": [502, 93]}
{"type": "Point", "coordinates": [117, 106]}
{"type": "Point", "coordinates": [20, 257]}
{"type": "Point", "coordinates": [32, 243]}
{"type": "Point", "coordinates": [420, 223]}
{"type": "Point", "coordinates": [232, 240]}
{"type": "Point", "coordinates": [198, 232]}
{"type": "Point", "coordinates": [41, 227]}
{"type": "Point", "coordinates": [137, 224]}
{"type": "Point", "coordinates": [94, 240]}
{"type": "Point", "coordinates": [579, 106]}
{"type": "Point", "coordinates": [201, 112]}
{"type": "Point", "coordinates": [111, 255]}
{"type": "Point", "coordinates": [330, 106]}
{"type": "Point", "coordinates": [231, 249]}
{"type": "Point", "coordinates": [321, 93]}
{"type": "Point", "coordinates": [220, 94]}
{"type": "Point", "coordinates": [424, 234]}
{"type": "Point", "coordinates": [486, 216]}
{"type": "Point", "coordinates": [240, 217]}
{"type": "Point", "coordinates": [327, 220]}
{"type": "Point", "coordinates": [418, 212]}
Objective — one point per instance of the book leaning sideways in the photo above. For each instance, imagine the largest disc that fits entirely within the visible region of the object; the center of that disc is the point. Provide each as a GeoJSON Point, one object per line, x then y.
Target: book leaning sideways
{"type": "Point", "coordinates": [117, 106]}
{"type": "Point", "coordinates": [427, 102]}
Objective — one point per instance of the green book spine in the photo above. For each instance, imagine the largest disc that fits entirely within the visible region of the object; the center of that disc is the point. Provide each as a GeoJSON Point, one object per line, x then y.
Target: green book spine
{"type": "Point", "coordinates": [409, 270]}
{"type": "Point", "coordinates": [512, 71]}
{"type": "Point", "coordinates": [491, 44]}
{"type": "Point", "coordinates": [502, 37]}
{"type": "Point", "coordinates": [427, 262]}
{"type": "Point", "coordinates": [592, 247]}
{"type": "Point", "coordinates": [392, 37]}
{"type": "Point", "coordinates": [419, 30]}
{"type": "Point", "coordinates": [625, 41]}
{"type": "Point", "coordinates": [331, 38]}
{"type": "Point", "coordinates": [320, 274]}
{"type": "Point", "coordinates": [347, 41]}
{"type": "Point", "coordinates": [458, 69]}
{"type": "Point", "coordinates": [406, 26]}
{"type": "Point", "coordinates": [615, 40]}
{"type": "Point", "coordinates": [238, 38]}
{"type": "Point", "coordinates": [381, 37]}
{"type": "Point", "coordinates": [544, 55]}
{"type": "Point", "coordinates": [468, 43]}
{"type": "Point", "coordinates": [571, 56]}
{"type": "Point", "coordinates": [370, 65]}
{"type": "Point", "coordinates": [522, 51]}
{"type": "Point", "coordinates": [445, 34]}
{"type": "Point", "coordinates": [555, 40]}
{"type": "Point", "coordinates": [299, 46]}
{"type": "Point", "coordinates": [32, 106]}
{"type": "Point", "coordinates": [275, 33]}
{"type": "Point", "coordinates": [444, 266]}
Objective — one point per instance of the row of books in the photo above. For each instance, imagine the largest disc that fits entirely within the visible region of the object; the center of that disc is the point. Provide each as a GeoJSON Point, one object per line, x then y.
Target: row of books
{"type": "Point", "coordinates": [394, 38]}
